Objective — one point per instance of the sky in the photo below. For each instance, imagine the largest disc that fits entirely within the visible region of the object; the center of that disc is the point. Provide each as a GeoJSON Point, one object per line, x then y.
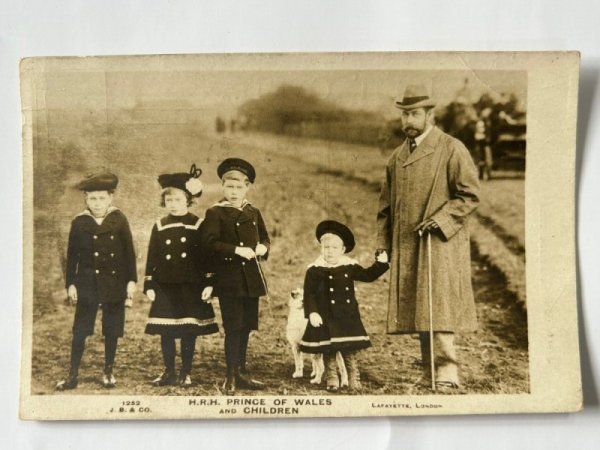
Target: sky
{"type": "Point", "coordinates": [222, 92]}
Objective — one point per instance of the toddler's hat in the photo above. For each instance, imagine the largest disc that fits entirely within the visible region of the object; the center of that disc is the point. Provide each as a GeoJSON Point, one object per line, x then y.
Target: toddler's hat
{"type": "Point", "coordinates": [237, 164]}
{"type": "Point", "coordinates": [102, 181]}
{"type": "Point", "coordinates": [339, 229]}
{"type": "Point", "coordinates": [186, 181]}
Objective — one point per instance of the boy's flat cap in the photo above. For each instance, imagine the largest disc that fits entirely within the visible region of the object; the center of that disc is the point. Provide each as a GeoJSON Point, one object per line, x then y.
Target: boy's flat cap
{"type": "Point", "coordinates": [186, 181]}
{"type": "Point", "coordinates": [339, 229]}
{"type": "Point", "coordinates": [103, 181]}
{"type": "Point", "coordinates": [237, 164]}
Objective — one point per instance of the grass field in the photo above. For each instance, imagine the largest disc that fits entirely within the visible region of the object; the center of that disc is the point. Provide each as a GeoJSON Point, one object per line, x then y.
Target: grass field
{"type": "Point", "coordinates": [294, 190]}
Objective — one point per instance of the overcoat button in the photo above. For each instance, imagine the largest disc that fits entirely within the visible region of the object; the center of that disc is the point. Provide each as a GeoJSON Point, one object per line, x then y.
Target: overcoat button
{"type": "Point", "coordinates": [332, 302]}
{"type": "Point", "coordinates": [183, 255]}
{"type": "Point", "coordinates": [112, 255]}
{"type": "Point", "coordinates": [111, 236]}
{"type": "Point", "coordinates": [243, 263]}
{"type": "Point", "coordinates": [183, 239]}
{"type": "Point", "coordinates": [168, 241]}
{"type": "Point", "coordinates": [113, 272]}
{"type": "Point", "coordinates": [95, 237]}
{"type": "Point", "coordinates": [237, 224]}
{"type": "Point", "coordinates": [347, 288]}
{"type": "Point", "coordinates": [348, 301]}
{"type": "Point", "coordinates": [346, 275]}
{"type": "Point", "coordinates": [96, 253]}
{"type": "Point", "coordinates": [331, 289]}
{"type": "Point", "coordinates": [253, 223]}
{"type": "Point", "coordinates": [331, 277]}
{"type": "Point", "coordinates": [168, 256]}
{"type": "Point", "coordinates": [97, 271]}
{"type": "Point", "coordinates": [241, 243]}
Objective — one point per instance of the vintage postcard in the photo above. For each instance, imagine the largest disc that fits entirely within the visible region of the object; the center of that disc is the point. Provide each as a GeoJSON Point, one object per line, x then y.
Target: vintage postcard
{"type": "Point", "coordinates": [299, 235]}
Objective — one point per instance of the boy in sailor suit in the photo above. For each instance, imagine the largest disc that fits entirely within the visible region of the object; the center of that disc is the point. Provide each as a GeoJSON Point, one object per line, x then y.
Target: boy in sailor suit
{"type": "Point", "coordinates": [236, 235]}
{"type": "Point", "coordinates": [100, 270]}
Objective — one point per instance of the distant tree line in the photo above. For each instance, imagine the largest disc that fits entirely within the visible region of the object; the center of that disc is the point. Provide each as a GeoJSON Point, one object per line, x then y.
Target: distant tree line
{"type": "Point", "coordinates": [295, 111]}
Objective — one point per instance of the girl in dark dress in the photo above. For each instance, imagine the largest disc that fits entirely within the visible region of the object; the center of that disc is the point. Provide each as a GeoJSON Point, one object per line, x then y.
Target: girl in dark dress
{"type": "Point", "coordinates": [330, 302]}
{"type": "Point", "coordinates": [176, 278]}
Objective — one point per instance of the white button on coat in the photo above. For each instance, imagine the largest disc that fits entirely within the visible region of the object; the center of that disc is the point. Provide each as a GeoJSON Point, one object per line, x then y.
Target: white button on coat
{"type": "Point", "coordinates": [183, 239]}
{"type": "Point", "coordinates": [184, 254]}
{"type": "Point", "coordinates": [168, 256]}
{"type": "Point", "coordinates": [168, 241]}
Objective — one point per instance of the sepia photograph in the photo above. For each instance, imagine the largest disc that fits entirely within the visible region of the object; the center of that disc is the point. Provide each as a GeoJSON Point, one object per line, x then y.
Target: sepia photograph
{"type": "Point", "coordinates": [242, 236]}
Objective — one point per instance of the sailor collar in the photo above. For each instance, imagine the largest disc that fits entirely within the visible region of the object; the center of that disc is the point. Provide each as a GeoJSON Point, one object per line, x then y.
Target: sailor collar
{"type": "Point", "coordinates": [227, 204]}
{"type": "Point", "coordinates": [188, 221]}
{"type": "Point", "coordinates": [98, 220]}
{"type": "Point", "coordinates": [343, 261]}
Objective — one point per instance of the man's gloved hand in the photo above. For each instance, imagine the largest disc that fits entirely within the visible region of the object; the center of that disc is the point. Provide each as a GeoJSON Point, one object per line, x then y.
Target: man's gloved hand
{"type": "Point", "coordinates": [427, 226]}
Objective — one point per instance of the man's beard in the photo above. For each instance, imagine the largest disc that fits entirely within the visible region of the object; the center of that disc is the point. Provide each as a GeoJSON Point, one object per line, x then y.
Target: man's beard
{"type": "Point", "coordinates": [412, 132]}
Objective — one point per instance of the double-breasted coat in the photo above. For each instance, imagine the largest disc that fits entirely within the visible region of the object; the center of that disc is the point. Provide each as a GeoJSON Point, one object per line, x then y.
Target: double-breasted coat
{"type": "Point", "coordinates": [177, 270]}
{"type": "Point", "coordinates": [100, 258]}
{"type": "Point", "coordinates": [439, 181]}
{"type": "Point", "coordinates": [329, 291]}
{"type": "Point", "coordinates": [225, 228]}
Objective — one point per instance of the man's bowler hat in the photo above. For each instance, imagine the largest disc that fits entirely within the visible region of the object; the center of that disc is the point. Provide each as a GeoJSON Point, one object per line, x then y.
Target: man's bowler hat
{"type": "Point", "coordinates": [415, 96]}
{"type": "Point", "coordinates": [339, 229]}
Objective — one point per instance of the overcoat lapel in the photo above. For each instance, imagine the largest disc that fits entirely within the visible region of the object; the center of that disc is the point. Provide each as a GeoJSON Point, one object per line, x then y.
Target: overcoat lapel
{"type": "Point", "coordinates": [425, 148]}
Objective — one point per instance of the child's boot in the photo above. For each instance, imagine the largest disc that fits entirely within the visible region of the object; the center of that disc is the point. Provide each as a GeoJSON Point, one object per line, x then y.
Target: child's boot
{"type": "Point", "coordinates": [168, 378]}
{"type": "Point", "coordinates": [353, 373]}
{"type": "Point", "coordinates": [333, 381]}
{"type": "Point", "coordinates": [69, 383]}
{"type": "Point", "coordinates": [230, 383]}
{"type": "Point", "coordinates": [108, 380]}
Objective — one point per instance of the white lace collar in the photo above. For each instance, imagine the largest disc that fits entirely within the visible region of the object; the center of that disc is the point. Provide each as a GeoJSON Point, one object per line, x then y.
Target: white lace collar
{"type": "Point", "coordinates": [343, 261]}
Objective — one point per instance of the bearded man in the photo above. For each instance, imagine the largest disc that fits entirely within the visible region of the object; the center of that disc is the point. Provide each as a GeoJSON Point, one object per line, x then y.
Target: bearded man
{"type": "Point", "coordinates": [430, 187]}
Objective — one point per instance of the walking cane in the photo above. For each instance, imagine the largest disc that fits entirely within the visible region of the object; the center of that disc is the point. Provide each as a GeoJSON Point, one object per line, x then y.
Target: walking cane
{"type": "Point", "coordinates": [430, 305]}
{"type": "Point", "coordinates": [264, 282]}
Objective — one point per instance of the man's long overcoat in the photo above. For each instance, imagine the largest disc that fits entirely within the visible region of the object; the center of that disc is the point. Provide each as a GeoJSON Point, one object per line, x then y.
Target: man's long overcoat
{"type": "Point", "coordinates": [439, 181]}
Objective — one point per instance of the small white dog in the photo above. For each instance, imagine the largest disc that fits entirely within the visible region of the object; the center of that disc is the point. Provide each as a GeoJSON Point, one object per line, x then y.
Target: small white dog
{"type": "Point", "coordinates": [296, 324]}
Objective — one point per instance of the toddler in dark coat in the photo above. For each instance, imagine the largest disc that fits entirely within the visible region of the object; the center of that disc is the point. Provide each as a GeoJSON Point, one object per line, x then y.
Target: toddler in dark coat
{"type": "Point", "coordinates": [330, 302]}
{"type": "Point", "coordinates": [100, 271]}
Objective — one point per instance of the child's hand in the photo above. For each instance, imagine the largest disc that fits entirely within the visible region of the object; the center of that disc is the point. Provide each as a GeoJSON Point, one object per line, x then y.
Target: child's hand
{"type": "Point", "coordinates": [245, 252]}
{"type": "Point", "coordinates": [151, 295]}
{"type": "Point", "coordinates": [315, 319]}
{"type": "Point", "coordinates": [72, 294]}
{"type": "Point", "coordinates": [130, 289]}
{"type": "Point", "coordinates": [382, 257]}
{"type": "Point", "coordinates": [207, 293]}
{"type": "Point", "coordinates": [261, 250]}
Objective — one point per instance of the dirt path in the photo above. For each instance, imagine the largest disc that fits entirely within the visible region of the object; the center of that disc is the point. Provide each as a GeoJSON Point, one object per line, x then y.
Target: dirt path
{"type": "Point", "coordinates": [293, 196]}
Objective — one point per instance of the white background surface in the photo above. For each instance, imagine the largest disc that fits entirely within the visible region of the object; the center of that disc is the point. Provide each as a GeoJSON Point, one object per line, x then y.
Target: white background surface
{"type": "Point", "coordinates": [37, 28]}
